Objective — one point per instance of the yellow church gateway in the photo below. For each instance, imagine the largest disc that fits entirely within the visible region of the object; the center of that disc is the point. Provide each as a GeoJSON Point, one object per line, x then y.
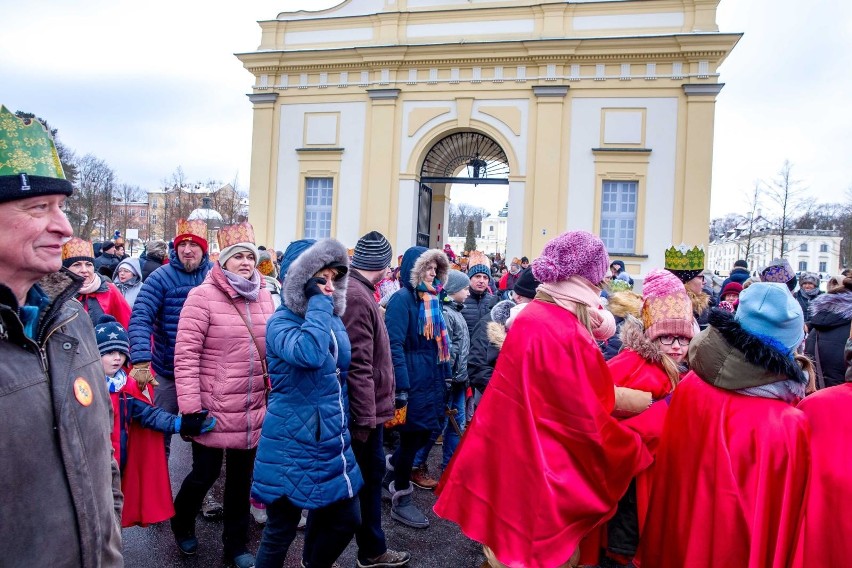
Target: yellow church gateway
{"type": "Point", "coordinates": [597, 115]}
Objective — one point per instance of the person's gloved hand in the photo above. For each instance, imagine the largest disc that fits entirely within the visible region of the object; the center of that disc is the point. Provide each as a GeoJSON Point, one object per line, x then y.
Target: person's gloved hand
{"type": "Point", "coordinates": [194, 424]}
{"type": "Point", "coordinates": [141, 373]}
{"type": "Point", "coordinates": [360, 434]}
{"type": "Point", "coordinates": [401, 399]}
{"type": "Point", "coordinates": [312, 286]}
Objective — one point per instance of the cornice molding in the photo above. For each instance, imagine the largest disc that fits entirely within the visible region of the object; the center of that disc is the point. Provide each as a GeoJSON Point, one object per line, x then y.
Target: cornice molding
{"type": "Point", "coordinates": [703, 89]}
{"type": "Point", "coordinates": [560, 91]}
{"type": "Point", "coordinates": [262, 98]}
{"type": "Point", "coordinates": [383, 94]}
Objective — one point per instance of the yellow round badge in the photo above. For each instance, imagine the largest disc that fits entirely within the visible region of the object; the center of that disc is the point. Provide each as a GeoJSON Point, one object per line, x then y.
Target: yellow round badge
{"type": "Point", "coordinates": [83, 391]}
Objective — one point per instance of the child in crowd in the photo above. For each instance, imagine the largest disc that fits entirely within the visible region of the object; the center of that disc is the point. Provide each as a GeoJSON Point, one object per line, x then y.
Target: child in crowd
{"type": "Point", "coordinates": [137, 432]}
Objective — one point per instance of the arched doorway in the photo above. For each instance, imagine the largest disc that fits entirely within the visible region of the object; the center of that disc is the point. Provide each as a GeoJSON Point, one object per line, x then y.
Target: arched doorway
{"type": "Point", "coordinates": [466, 157]}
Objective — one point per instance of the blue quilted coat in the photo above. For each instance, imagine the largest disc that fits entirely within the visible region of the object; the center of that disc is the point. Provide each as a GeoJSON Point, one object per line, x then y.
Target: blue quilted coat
{"type": "Point", "coordinates": [305, 450]}
{"type": "Point", "coordinates": [415, 358]}
{"type": "Point", "coordinates": [156, 313]}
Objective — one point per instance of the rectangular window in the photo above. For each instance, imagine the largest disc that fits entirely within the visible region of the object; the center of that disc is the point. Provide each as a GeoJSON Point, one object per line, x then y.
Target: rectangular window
{"type": "Point", "coordinates": [823, 267]}
{"type": "Point", "coordinates": [823, 248]}
{"type": "Point", "coordinates": [318, 192]}
{"type": "Point", "coordinates": [618, 215]}
{"type": "Point", "coordinates": [803, 247]}
{"type": "Point", "coordinates": [803, 266]}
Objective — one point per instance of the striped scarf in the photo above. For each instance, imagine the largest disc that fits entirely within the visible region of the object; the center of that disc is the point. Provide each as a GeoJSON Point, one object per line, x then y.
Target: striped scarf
{"type": "Point", "coordinates": [431, 320]}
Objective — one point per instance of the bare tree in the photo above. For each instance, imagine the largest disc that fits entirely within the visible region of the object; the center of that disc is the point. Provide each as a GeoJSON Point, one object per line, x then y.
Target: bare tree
{"type": "Point", "coordinates": [179, 200]}
{"type": "Point", "coordinates": [460, 214]}
{"type": "Point", "coordinates": [89, 207]}
{"type": "Point", "coordinates": [753, 201]}
{"type": "Point", "coordinates": [786, 192]}
{"type": "Point", "coordinates": [125, 195]}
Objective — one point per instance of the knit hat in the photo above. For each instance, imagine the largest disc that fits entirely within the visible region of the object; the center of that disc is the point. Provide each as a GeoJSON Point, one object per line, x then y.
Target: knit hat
{"type": "Point", "coordinates": [372, 252]}
{"type": "Point", "coordinates": [29, 162]}
{"type": "Point", "coordinates": [741, 264]}
{"type": "Point", "coordinates": [478, 263]}
{"type": "Point", "coordinates": [685, 263]}
{"type": "Point", "coordinates": [526, 284]}
{"type": "Point", "coordinates": [809, 277]}
{"type": "Point", "coordinates": [779, 271]}
{"type": "Point", "coordinates": [731, 288]}
{"type": "Point", "coordinates": [572, 253]}
{"type": "Point", "coordinates": [111, 336]}
{"type": "Point", "coordinates": [236, 238]}
{"type": "Point", "coordinates": [667, 309]}
{"type": "Point", "coordinates": [501, 311]}
{"type": "Point", "coordinates": [107, 246]}
{"type": "Point", "coordinates": [75, 250]}
{"type": "Point", "coordinates": [195, 231]}
{"type": "Point", "coordinates": [768, 311]}
{"type": "Point", "coordinates": [456, 281]}
{"type": "Point", "coordinates": [264, 263]}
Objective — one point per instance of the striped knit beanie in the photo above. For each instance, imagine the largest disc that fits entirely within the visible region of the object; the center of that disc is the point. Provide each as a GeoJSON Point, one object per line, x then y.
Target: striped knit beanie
{"type": "Point", "coordinates": [372, 252]}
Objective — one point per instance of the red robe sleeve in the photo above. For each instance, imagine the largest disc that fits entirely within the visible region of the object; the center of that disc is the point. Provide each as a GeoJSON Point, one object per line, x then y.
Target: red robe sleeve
{"type": "Point", "coordinates": [731, 476]}
{"type": "Point", "coordinates": [543, 462]}
{"type": "Point", "coordinates": [828, 524]}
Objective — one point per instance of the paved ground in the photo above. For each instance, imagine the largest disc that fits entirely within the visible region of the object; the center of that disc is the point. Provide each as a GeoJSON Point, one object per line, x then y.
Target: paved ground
{"type": "Point", "coordinates": [440, 546]}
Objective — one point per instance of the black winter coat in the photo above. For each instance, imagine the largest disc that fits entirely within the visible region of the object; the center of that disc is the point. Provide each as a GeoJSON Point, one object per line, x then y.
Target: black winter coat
{"type": "Point", "coordinates": [476, 306]}
{"type": "Point", "coordinates": [483, 354]}
{"type": "Point", "coordinates": [831, 317]}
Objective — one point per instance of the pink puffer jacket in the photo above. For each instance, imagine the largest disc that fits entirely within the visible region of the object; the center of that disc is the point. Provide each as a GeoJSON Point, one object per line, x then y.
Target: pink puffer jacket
{"type": "Point", "coordinates": [217, 365]}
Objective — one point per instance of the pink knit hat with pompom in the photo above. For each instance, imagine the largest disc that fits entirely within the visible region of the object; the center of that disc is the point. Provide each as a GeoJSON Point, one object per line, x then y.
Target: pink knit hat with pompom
{"type": "Point", "coordinates": [573, 253]}
{"type": "Point", "coordinates": [667, 309]}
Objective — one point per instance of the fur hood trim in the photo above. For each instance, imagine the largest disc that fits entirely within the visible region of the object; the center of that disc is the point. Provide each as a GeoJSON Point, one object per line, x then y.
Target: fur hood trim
{"type": "Point", "coordinates": [626, 303]}
{"type": "Point", "coordinates": [633, 337]}
{"type": "Point", "coordinates": [419, 270]}
{"type": "Point", "coordinates": [839, 304]}
{"type": "Point", "coordinates": [700, 302]}
{"type": "Point", "coordinates": [63, 283]}
{"type": "Point", "coordinates": [496, 334]}
{"type": "Point", "coordinates": [754, 350]}
{"type": "Point", "coordinates": [322, 253]}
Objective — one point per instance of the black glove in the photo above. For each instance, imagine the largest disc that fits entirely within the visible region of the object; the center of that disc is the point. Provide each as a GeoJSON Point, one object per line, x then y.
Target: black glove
{"type": "Point", "coordinates": [195, 423]}
{"type": "Point", "coordinates": [312, 288]}
{"type": "Point", "coordinates": [401, 399]}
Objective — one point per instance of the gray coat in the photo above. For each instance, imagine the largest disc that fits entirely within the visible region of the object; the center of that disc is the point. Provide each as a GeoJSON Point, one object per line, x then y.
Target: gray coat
{"type": "Point", "coordinates": [459, 341]}
{"type": "Point", "coordinates": [60, 484]}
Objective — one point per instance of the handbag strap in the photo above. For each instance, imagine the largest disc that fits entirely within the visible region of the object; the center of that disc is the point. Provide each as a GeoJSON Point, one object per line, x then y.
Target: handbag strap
{"type": "Point", "coordinates": [256, 343]}
{"type": "Point", "coordinates": [820, 382]}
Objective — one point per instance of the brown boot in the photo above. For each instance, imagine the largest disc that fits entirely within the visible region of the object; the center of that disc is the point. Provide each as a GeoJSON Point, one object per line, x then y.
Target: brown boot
{"type": "Point", "coordinates": [420, 478]}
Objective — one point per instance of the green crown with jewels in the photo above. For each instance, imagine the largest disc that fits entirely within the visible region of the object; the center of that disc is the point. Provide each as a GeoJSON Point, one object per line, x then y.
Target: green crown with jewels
{"type": "Point", "coordinates": [26, 146]}
{"type": "Point", "coordinates": [681, 258]}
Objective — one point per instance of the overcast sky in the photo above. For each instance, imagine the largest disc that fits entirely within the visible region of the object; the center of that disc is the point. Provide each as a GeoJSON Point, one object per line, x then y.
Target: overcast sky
{"type": "Point", "coordinates": [150, 86]}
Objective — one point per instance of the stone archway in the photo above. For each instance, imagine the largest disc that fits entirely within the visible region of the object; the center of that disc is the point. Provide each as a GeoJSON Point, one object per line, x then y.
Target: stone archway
{"type": "Point", "coordinates": [465, 157]}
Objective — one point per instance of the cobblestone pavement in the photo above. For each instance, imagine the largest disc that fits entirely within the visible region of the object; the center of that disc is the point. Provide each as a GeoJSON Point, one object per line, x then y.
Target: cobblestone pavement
{"type": "Point", "coordinates": [440, 546]}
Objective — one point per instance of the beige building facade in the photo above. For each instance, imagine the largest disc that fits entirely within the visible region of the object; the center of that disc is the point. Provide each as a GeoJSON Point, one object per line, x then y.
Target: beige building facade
{"type": "Point", "coordinates": [596, 115]}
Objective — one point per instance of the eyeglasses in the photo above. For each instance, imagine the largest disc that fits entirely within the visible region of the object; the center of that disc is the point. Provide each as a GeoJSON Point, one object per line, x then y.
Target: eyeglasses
{"type": "Point", "coordinates": [670, 339]}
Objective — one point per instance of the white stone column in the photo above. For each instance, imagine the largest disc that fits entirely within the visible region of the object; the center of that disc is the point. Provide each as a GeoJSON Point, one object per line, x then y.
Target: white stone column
{"type": "Point", "coordinates": [515, 222]}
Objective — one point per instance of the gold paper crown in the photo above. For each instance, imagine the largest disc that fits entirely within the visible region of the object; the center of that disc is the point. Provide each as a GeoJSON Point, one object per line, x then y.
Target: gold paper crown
{"type": "Point", "coordinates": [477, 257]}
{"type": "Point", "coordinates": [681, 258]}
{"type": "Point", "coordinates": [77, 247]}
{"type": "Point", "coordinates": [26, 146]}
{"type": "Point", "coordinates": [196, 227]}
{"type": "Point", "coordinates": [233, 234]}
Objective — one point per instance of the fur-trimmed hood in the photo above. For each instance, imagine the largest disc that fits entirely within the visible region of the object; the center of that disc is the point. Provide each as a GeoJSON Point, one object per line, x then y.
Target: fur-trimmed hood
{"type": "Point", "coordinates": [837, 304]}
{"type": "Point", "coordinates": [727, 356]}
{"type": "Point", "coordinates": [626, 303]}
{"type": "Point", "coordinates": [413, 266]}
{"type": "Point", "coordinates": [496, 334]}
{"type": "Point", "coordinates": [63, 283]}
{"type": "Point", "coordinates": [324, 252]}
{"type": "Point", "coordinates": [633, 337]}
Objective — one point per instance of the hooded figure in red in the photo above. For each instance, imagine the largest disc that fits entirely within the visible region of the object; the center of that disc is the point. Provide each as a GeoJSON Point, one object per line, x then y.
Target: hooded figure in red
{"type": "Point", "coordinates": [825, 540]}
{"type": "Point", "coordinates": [732, 466]}
{"type": "Point", "coordinates": [544, 462]}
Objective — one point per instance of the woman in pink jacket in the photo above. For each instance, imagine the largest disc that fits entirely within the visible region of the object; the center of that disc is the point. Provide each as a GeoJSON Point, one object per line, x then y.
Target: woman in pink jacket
{"type": "Point", "coordinates": [220, 367]}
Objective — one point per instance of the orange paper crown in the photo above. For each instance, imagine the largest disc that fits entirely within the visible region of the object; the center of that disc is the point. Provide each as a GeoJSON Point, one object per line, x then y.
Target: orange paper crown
{"type": "Point", "coordinates": [233, 234]}
{"type": "Point", "coordinates": [477, 257]}
{"type": "Point", "coordinates": [77, 248]}
{"type": "Point", "coordinates": [195, 227]}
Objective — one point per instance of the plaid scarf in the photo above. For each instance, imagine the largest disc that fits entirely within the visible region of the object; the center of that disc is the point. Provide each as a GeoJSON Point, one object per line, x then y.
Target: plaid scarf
{"type": "Point", "coordinates": [431, 320]}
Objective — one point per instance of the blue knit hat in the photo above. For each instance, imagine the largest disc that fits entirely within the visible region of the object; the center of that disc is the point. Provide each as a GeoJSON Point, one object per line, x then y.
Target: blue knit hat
{"type": "Point", "coordinates": [768, 311]}
{"type": "Point", "coordinates": [111, 336]}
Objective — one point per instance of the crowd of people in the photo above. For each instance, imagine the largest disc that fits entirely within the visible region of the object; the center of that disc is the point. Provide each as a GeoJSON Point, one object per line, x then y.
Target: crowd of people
{"type": "Point", "coordinates": [583, 420]}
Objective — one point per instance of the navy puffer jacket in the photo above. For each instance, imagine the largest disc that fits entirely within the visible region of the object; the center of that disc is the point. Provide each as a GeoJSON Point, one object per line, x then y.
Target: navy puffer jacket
{"type": "Point", "coordinates": [305, 451]}
{"type": "Point", "coordinates": [415, 358]}
{"type": "Point", "coordinates": [156, 312]}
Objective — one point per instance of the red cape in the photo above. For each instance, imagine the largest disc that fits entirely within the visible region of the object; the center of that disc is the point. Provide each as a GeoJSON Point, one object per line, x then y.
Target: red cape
{"type": "Point", "coordinates": [730, 481]}
{"type": "Point", "coordinates": [145, 478]}
{"type": "Point", "coordinates": [543, 462]}
{"type": "Point", "coordinates": [828, 524]}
